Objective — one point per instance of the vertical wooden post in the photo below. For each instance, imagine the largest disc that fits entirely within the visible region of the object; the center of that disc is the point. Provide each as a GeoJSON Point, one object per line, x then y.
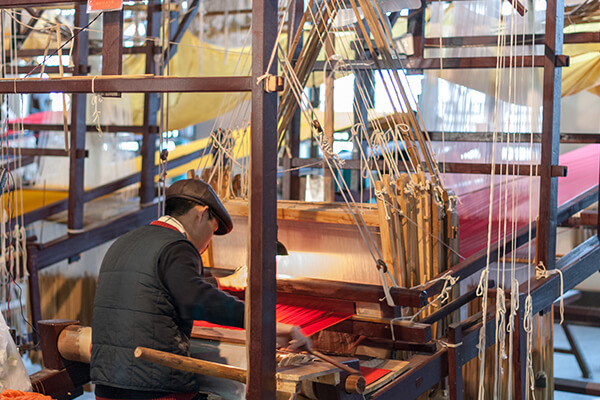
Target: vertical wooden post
{"type": "Point", "coordinates": [78, 128]}
{"type": "Point", "coordinates": [455, 378]}
{"type": "Point", "coordinates": [362, 79]}
{"type": "Point", "coordinates": [112, 43]}
{"type": "Point", "coordinates": [546, 234]}
{"type": "Point", "coordinates": [520, 352]}
{"type": "Point", "coordinates": [416, 26]}
{"type": "Point", "coordinates": [151, 107]}
{"type": "Point", "coordinates": [291, 178]}
{"type": "Point", "coordinates": [34, 287]}
{"type": "Point", "coordinates": [328, 189]}
{"type": "Point", "coordinates": [260, 294]}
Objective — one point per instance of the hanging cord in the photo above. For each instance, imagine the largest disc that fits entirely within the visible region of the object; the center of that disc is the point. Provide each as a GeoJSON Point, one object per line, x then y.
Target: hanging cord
{"type": "Point", "coordinates": [243, 108]}
{"type": "Point", "coordinates": [542, 273]}
{"type": "Point", "coordinates": [97, 99]}
{"type": "Point", "coordinates": [290, 76]}
{"type": "Point", "coordinates": [350, 203]}
{"type": "Point", "coordinates": [59, 49]}
{"type": "Point", "coordinates": [482, 288]}
{"type": "Point", "coordinates": [528, 328]}
{"type": "Point", "coordinates": [449, 282]}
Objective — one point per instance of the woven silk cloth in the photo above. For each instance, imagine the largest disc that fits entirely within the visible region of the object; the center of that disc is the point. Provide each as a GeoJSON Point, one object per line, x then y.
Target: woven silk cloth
{"type": "Point", "coordinates": [310, 314]}
{"type": "Point", "coordinates": [582, 174]}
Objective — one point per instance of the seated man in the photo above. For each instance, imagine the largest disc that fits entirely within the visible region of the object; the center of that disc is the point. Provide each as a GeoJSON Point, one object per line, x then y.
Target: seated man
{"type": "Point", "coordinates": [150, 290]}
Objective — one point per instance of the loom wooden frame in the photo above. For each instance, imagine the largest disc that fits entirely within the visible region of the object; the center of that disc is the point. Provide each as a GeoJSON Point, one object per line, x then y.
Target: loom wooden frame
{"type": "Point", "coordinates": [427, 370]}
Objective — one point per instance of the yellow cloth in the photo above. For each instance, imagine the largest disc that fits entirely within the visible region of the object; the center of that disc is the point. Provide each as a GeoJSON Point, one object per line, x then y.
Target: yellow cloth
{"type": "Point", "coordinates": [187, 109]}
{"type": "Point", "coordinates": [582, 74]}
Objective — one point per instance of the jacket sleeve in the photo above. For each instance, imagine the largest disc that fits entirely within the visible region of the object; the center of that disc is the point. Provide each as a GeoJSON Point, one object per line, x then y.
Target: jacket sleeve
{"type": "Point", "coordinates": [179, 268]}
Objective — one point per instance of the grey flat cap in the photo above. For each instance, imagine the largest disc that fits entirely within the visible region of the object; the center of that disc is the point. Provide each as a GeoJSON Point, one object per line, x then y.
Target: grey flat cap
{"type": "Point", "coordinates": [202, 193]}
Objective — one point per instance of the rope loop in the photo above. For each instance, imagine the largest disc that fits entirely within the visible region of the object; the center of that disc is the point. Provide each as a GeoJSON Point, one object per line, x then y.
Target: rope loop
{"type": "Point", "coordinates": [379, 194]}
{"type": "Point", "coordinates": [449, 283]}
{"type": "Point", "coordinates": [410, 188]}
{"type": "Point", "coordinates": [96, 100]}
{"type": "Point", "coordinates": [542, 273]}
{"type": "Point", "coordinates": [482, 286]}
{"type": "Point", "coordinates": [262, 78]}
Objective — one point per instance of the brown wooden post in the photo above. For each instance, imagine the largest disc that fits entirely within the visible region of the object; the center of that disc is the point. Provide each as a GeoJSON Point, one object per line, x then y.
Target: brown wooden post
{"type": "Point", "coordinates": [546, 235]}
{"type": "Point", "coordinates": [34, 287]}
{"type": "Point", "coordinates": [112, 43]}
{"type": "Point", "coordinates": [455, 379]}
{"type": "Point", "coordinates": [260, 294]}
{"type": "Point", "coordinates": [328, 187]}
{"type": "Point", "coordinates": [520, 352]}
{"type": "Point", "coordinates": [416, 26]}
{"type": "Point", "coordinates": [291, 178]}
{"type": "Point", "coordinates": [151, 107]}
{"type": "Point", "coordinates": [78, 126]}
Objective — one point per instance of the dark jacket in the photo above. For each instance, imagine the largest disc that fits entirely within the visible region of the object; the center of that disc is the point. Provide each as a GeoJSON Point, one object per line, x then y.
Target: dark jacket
{"type": "Point", "coordinates": [133, 307]}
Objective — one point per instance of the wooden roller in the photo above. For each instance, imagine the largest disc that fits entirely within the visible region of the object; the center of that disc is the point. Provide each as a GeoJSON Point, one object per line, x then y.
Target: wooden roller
{"type": "Point", "coordinates": [191, 364]}
{"type": "Point", "coordinates": [75, 343]}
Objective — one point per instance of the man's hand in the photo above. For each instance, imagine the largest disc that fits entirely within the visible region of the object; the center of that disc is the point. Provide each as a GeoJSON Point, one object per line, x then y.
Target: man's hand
{"type": "Point", "coordinates": [236, 281]}
{"type": "Point", "coordinates": [292, 338]}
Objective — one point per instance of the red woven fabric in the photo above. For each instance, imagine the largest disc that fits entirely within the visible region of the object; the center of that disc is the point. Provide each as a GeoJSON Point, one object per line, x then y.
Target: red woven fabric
{"type": "Point", "coordinates": [312, 315]}
{"type": "Point", "coordinates": [373, 374]}
{"type": "Point", "coordinates": [473, 210]}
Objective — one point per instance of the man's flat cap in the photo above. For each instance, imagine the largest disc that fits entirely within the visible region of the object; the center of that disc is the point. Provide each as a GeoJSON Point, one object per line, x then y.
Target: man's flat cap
{"type": "Point", "coordinates": [202, 193]}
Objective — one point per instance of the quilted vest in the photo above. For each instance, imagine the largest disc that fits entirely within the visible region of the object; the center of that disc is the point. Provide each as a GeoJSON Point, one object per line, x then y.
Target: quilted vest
{"type": "Point", "coordinates": [132, 308]}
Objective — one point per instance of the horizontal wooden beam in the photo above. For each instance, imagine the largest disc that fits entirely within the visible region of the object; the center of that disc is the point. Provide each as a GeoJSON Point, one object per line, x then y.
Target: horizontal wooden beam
{"type": "Point", "coordinates": [419, 333]}
{"type": "Point", "coordinates": [351, 291]}
{"type": "Point", "coordinates": [25, 69]}
{"type": "Point", "coordinates": [579, 315]}
{"type": "Point", "coordinates": [518, 137]}
{"type": "Point", "coordinates": [576, 266]}
{"type": "Point", "coordinates": [453, 305]}
{"type": "Point", "coordinates": [470, 41]}
{"type": "Point", "coordinates": [336, 290]}
{"type": "Point", "coordinates": [585, 219]}
{"type": "Point", "coordinates": [453, 168]}
{"type": "Point", "coordinates": [94, 51]}
{"type": "Point", "coordinates": [315, 212]}
{"type": "Point", "coordinates": [24, 151]}
{"type": "Point", "coordinates": [419, 63]}
{"type": "Point", "coordinates": [573, 386]}
{"type": "Point", "coordinates": [125, 84]}
{"type": "Point", "coordinates": [89, 128]}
